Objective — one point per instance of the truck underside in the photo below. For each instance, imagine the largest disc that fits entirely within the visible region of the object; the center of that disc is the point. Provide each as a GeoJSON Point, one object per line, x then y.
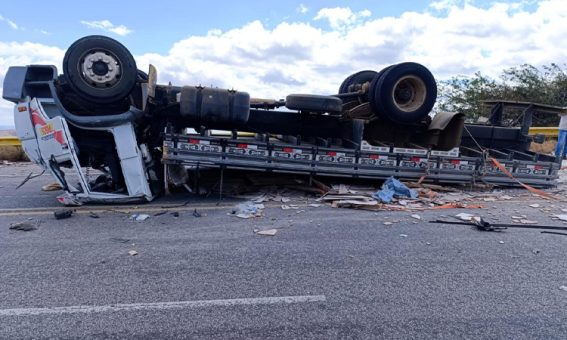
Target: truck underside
{"type": "Point", "coordinates": [104, 114]}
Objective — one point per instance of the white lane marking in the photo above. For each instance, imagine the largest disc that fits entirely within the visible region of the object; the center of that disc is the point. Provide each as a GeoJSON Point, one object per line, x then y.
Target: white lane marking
{"type": "Point", "coordinates": [162, 305]}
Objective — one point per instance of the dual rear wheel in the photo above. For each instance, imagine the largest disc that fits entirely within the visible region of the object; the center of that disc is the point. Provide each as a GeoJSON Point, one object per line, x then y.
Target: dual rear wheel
{"type": "Point", "coordinates": [404, 93]}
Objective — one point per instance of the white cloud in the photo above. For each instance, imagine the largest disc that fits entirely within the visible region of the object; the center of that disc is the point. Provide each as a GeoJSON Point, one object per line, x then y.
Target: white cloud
{"type": "Point", "coordinates": [10, 23]}
{"type": "Point", "coordinates": [302, 9]}
{"type": "Point", "coordinates": [20, 54]}
{"type": "Point", "coordinates": [301, 57]}
{"type": "Point", "coordinates": [340, 17]}
{"type": "Point", "coordinates": [107, 26]}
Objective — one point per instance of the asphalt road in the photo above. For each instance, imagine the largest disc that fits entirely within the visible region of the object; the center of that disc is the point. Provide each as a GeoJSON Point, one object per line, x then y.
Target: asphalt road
{"type": "Point", "coordinates": [327, 274]}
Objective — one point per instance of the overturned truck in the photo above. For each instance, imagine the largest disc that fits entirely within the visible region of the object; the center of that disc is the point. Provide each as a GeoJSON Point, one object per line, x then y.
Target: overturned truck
{"type": "Point", "coordinates": [103, 113]}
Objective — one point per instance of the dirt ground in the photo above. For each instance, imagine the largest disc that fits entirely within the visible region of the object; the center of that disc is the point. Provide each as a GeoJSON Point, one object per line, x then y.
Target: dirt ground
{"type": "Point", "coordinates": [546, 148]}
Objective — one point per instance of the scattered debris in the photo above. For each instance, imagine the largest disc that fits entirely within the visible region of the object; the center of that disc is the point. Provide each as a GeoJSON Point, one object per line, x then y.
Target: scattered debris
{"type": "Point", "coordinates": [196, 213]}
{"type": "Point", "coordinates": [248, 210]}
{"type": "Point", "coordinates": [464, 216]}
{"type": "Point", "coordinates": [68, 200]}
{"type": "Point", "coordinates": [354, 203]}
{"type": "Point", "coordinates": [119, 240]}
{"type": "Point", "coordinates": [501, 242]}
{"type": "Point", "coordinates": [132, 253]}
{"type": "Point", "coordinates": [139, 217]}
{"type": "Point", "coordinates": [536, 251]}
{"type": "Point", "coordinates": [314, 205]}
{"type": "Point", "coordinates": [175, 214]}
{"type": "Point", "coordinates": [563, 288]}
{"type": "Point", "coordinates": [528, 222]}
{"type": "Point", "coordinates": [52, 187]}
{"type": "Point", "coordinates": [506, 197]}
{"type": "Point", "coordinates": [288, 207]}
{"type": "Point", "coordinates": [388, 223]}
{"type": "Point", "coordinates": [159, 213]}
{"type": "Point", "coordinates": [535, 205]}
{"type": "Point", "coordinates": [416, 216]}
{"type": "Point", "coordinates": [93, 215]}
{"type": "Point", "coordinates": [62, 213]}
{"type": "Point", "coordinates": [403, 235]}
{"type": "Point", "coordinates": [269, 232]}
{"type": "Point", "coordinates": [177, 206]}
{"type": "Point", "coordinates": [553, 233]}
{"type": "Point", "coordinates": [561, 217]}
{"type": "Point", "coordinates": [393, 188]}
{"type": "Point", "coordinates": [483, 225]}
{"type": "Point", "coordinates": [22, 226]}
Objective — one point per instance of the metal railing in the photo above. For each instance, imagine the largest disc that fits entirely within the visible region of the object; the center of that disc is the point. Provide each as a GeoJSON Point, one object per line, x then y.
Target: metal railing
{"type": "Point", "coordinates": [546, 131]}
{"type": "Point", "coordinates": [10, 141]}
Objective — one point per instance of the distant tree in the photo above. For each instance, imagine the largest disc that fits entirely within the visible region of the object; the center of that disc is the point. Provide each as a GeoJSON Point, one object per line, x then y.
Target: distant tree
{"type": "Point", "coordinates": [547, 85]}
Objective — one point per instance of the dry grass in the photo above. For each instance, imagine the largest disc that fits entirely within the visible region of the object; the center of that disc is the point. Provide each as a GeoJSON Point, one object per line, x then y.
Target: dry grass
{"type": "Point", "coordinates": [12, 153]}
{"type": "Point", "coordinates": [546, 148]}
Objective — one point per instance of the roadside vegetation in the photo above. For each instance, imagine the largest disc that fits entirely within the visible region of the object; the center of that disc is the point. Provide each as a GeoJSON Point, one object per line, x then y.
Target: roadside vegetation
{"type": "Point", "coordinates": [546, 85]}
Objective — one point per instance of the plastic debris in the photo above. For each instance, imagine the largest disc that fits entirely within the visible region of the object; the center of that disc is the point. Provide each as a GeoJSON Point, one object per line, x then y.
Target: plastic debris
{"type": "Point", "coordinates": [93, 215]}
{"type": "Point", "coordinates": [248, 210]}
{"type": "Point", "coordinates": [196, 213]}
{"type": "Point", "coordinates": [528, 222]}
{"type": "Point", "coordinates": [393, 188]}
{"type": "Point", "coordinates": [416, 216]}
{"type": "Point", "coordinates": [62, 213]}
{"type": "Point", "coordinates": [563, 288]}
{"type": "Point", "coordinates": [501, 242]}
{"type": "Point", "coordinates": [22, 226]}
{"type": "Point", "coordinates": [288, 207]}
{"type": "Point", "coordinates": [403, 235]}
{"type": "Point", "coordinates": [269, 232]}
{"type": "Point", "coordinates": [175, 214]}
{"type": "Point", "coordinates": [51, 187]}
{"type": "Point", "coordinates": [68, 200]}
{"type": "Point", "coordinates": [314, 205]}
{"type": "Point", "coordinates": [561, 217]}
{"type": "Point", "coordinates": [535, 205]}
{"type": "Point", "coordinates": [139, 217]}
{"type": "Point", "coordinates": [132, 253]}
{"type": "Point", "coordinates": [464, 216]}
{"type": "Point", "coordinates": [388, 223]}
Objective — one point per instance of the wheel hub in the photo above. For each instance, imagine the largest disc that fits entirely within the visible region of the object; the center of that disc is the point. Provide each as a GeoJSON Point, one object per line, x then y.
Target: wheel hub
{"type": "Point", "coordinates": [409, 93]}
{"type": "Point", "coordinates": [101, 69]}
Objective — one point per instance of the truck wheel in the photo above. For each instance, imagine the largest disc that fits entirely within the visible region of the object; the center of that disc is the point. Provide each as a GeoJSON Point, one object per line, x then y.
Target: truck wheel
{"type": "Point", "coordinates": [314, 103]}
{"type": "Point", "coordinates": [100, 69]}
{"type": "Point", "coordinates": [357, 78]}
{"type": "Point", "coordinates": [405, 93]}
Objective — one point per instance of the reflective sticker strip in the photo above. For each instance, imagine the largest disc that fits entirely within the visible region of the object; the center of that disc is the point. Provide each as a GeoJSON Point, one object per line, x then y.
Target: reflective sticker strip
{"type": "Point", "coordinates": [46, 130]}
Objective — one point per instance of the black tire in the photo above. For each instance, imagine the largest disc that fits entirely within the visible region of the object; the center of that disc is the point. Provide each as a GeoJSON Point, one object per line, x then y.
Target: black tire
{"type": "Point", "coordinates": [357, 78]}
{"type": "Point", "coordinates": [111, 78]}
{"type": "Point", "coordinates": [404, 93]}
{"type": "Point", "coordinates": [314, 103]}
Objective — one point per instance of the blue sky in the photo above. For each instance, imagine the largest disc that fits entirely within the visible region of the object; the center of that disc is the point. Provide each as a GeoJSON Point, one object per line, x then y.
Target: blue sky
{"type": "Point", "coordinates": [156, 25]}
{"type": "Point", "coordinates": [274, 48]}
